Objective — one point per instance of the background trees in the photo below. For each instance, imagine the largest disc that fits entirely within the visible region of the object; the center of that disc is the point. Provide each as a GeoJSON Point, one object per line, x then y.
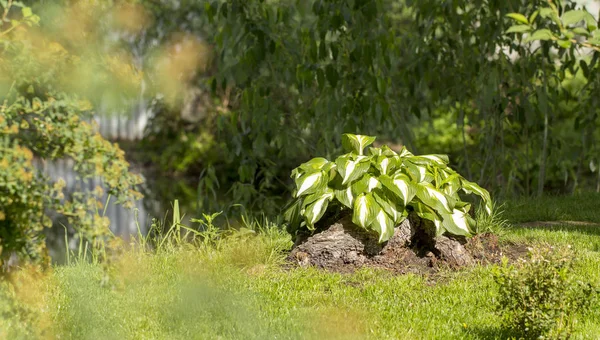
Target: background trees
{"type": "Point", "coordinates": [288, 77]}
{"type": "Point", "coordinates": [244, 91]}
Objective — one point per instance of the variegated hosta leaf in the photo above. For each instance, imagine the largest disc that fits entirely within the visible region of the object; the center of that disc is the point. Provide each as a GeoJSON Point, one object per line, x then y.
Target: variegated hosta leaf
{"type": "Point", "coordinates": [386, 151]}
{"type": "Point", "coordinates": [419, 173]}
{"type": "Point", "coordinates": [385, 164]}
{"type": "Point", "coordinates": [456, 223]}
{"type": "Point", "coordinates": [314, 211]}
{"type": "Point", "coordinates": [405, 153]}
{"type": "Point", "coordinates": [451, 184]}
{"type": "Point", "coordinates": [375, 151]}
{"type": "Point", "coordinates": [439, 160]}
{"type": "Point", "coordinates": [469, 187]}
{"type": "Point", "coordinates": [428, 213]}
{"type": "Point", "coordinates": [356, 143]}
{"type": "Point", "coordinates": [311, 182]}
{"type": "Point", "coordinates": [345, 196]}
{"type": "Point", "coordinates": [435, 198]}
{"type": "Point", "coordinates": [395, 211]}
{"type": "Point", "coordinates": [365, 185]}
{"type": "Point", "coordinates": [351, 169]}
{"type": "Point", "coordinates": [383, 225]}
{"type": "Point", "coordinates": [296, 173]}
{"type": "Point", "coordinates": [292, 214]}
{"type": "Point", "coordinates": [401, 186]}
{"type": "Point", "coordinates": [364, 210]}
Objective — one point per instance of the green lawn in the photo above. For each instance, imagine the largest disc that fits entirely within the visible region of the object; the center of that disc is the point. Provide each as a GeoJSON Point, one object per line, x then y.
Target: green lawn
{"type": "Point", "coordinates": [240, 290]}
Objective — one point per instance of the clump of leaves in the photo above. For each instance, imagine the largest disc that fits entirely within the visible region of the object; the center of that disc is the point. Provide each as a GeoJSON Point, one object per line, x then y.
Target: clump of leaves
{"type": "Point", "coordinates": [540, 300]}
{"type": "Point", "coordinates": [380, 188]}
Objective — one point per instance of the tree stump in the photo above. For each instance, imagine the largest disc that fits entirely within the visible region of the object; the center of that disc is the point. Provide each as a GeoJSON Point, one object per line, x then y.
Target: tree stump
{"type": "Point", "coordinates": [343, 246]}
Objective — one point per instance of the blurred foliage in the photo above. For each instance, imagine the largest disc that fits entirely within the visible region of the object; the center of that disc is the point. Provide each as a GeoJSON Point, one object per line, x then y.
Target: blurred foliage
{"type": "Point", "coordinates": [45, 74]}
{"type": "Point", "coordinates": [277, 82]}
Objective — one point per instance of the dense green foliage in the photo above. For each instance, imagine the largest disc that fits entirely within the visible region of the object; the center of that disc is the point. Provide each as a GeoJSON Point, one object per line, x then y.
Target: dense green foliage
{"type": "Point", "coordinates": [283, 79]}
{"type": "Point", "coordinates": [542, 299]}
{"type": "Point", "coordinates": [381, 188]}
{"type": "Point", "coordinates": [43, 119]}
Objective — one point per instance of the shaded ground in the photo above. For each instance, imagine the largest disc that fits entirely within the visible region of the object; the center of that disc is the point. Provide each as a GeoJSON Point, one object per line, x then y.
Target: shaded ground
{"type": "Point", "coordinates": [344, 247]}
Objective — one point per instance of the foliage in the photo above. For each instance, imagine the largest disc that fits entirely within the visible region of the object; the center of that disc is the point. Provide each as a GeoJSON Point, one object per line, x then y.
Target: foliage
{"type": "Point", "coordinates": [381, 188]}
{"type": "Point", "coordinates": [284, 76]}
{"type": "Point", "coordinates": [42, 120]}
{"type": "Point", "coordinates": [542, 300]}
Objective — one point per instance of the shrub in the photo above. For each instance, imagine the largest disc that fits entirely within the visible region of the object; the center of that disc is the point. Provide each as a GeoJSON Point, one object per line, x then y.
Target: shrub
{"type": "Point", "coordinates": [380, 188]}
{"type": "Point", "coordinates": [40, 119]}
{"type": "Point", "coordinates": [542, 298]}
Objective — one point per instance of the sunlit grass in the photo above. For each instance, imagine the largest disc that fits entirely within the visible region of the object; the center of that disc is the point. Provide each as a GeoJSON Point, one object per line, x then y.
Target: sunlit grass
{"type": "Point", "coordinates": [237, 287]}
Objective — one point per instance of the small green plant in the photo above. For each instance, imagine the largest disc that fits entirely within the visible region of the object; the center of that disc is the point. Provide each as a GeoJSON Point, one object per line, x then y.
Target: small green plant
{"type": "Point", "coordinates": [541, 299]}
{"type": "Point", "coordinates": [381, 188]}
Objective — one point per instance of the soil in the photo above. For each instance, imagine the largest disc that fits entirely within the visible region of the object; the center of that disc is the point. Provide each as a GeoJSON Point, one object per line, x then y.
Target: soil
{"type": "Point", "coordinates": [345, 247]}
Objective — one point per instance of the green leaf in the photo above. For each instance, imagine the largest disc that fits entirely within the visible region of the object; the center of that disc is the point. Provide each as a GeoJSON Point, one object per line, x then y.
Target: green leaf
{"type": "Point", "coordinates": [564, 43]}
{"type": "Point", "coordinates": [533, 16]}
{"type": "Point", "coordinates": [314, 211]}
{"type": "Point", "coordinates": [440, 160]}
{"type": "Point", "coordinates": [518, 29]}
{"type": "Point", "coordinates": [314, 164]}
{"type": "Point", "coordinates": [364, 210]}
{"type": "Point", "coordinates": [356, 143]}
{"type": "Point", "coordinates": [470, 187]}
{"type": "Point", "coordinates": [385, 164]}
{"type": "Point", "coordinates": [332, 75]}
{"type": "Point", "coordinates": [542, 34]}
{"type": "Point", "coordinates": [418, 173]}
{"type": "Point", "coordinates": [428, 213]}
{"type": "Point", "coordinates": [519, 17]}
{"type": "Point", "coordinates": [26, 11]}
{"type": "Point", "coordinates": [456, 223]}
{"type": "Point", "coordinates": [388, 204]}
{"type": "Point", "coordinates": [345, 196]}
{"type": "Point", "coordinates": [383, 225]}
{"type": "Point", "coordinates": [434, 198]}
{"type": "Point", "coordinates": [581, 31]}
{"type": "Point", "coordinates": [310, 182]}
{"type": "Point", "coordinates": [351, 169]}
{"type": "Point", "coordinates": [401, 186]}
{"type": "Point", "coordinates": [576, 16]}
{"type": "Point", "coordinates": [292, 213]}
{"type": "Point", "coordinates": [366, 184]}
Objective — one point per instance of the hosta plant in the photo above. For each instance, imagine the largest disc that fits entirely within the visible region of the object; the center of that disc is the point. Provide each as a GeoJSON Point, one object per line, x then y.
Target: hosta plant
{"type": "Point", "coordinates": [381, 187]}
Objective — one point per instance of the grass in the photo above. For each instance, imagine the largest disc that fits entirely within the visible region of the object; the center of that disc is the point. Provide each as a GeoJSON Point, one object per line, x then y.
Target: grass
{"type": "Point", "coordinates": [237, 288]}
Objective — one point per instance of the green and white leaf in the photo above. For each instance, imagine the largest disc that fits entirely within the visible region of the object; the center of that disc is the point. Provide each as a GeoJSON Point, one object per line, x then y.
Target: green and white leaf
{"type": "Point", "coordinates": [351, 169]}
{"type": "Point", "coordinates": [419, 173]}
{"type": "Point", "coordinates": [386, 164]}
{"type": "Point", "coordinates": [434, 198]}
{"type": "Point", "coordinates": [401, 186]}
{"type": "Point", "coordinates": [365, 185]}
{"type": "Point", "coordinates": [314, 211]}
{"type": "Point", "coordinates": [456, 223]}
{"type": "Point", "coordinates": [471, 187]}
{"type": "Point", "coordinates": [345, 196]}
{"type": "Point", "coordinates": [310, 183]}
{"type": "Point", "coordinates": [396, 212]}
{"type": "Point", "coordinates": [405, 153]}
{"type": "Point", "coordinates": [356, 143]}
{"type": "Point", "coordinates": [383, 225]}
{"type": "Point", "coordinates": [364, 210]}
